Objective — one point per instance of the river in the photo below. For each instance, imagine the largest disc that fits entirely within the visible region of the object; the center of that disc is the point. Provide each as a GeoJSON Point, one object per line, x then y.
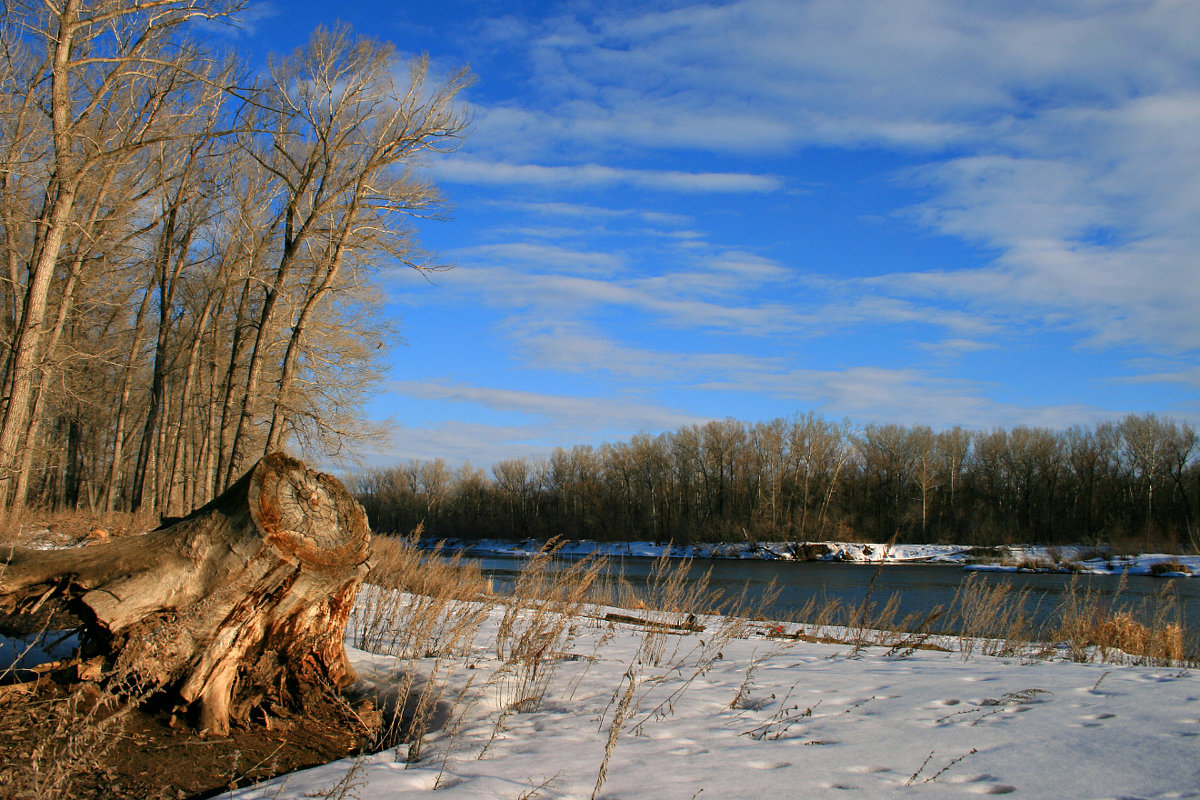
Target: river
{"type": "Point", "coordinates": [920, 587]}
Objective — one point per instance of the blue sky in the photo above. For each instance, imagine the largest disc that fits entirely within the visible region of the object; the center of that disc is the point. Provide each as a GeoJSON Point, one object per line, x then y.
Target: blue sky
{"type": "Point", "coordinates": [945, 212]}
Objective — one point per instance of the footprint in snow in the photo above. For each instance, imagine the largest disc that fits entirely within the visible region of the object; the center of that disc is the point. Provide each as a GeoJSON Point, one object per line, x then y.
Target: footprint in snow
{"type": "Point", "coordinates": [980, 784]}
{"type": "Point", "coordinates": [688, 751]}
{"type": "Point", "coordinates": [1094, 720]}
{"type": "Point", "coordinates": [659, 734]}
{"type": "Point", "coordinates": [867, 770]}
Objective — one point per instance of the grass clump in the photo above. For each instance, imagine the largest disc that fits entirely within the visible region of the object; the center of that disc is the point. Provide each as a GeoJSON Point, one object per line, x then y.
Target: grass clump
{"type": "Point", "coordinates": [538, 623]}
{"type": "Point", "coordinates": [1163, 568]}
{"type": "Point", "coordinates": [990, 617]}
{"type": "Point", "coordinates": [1097, 626]}
{"type": "Point", "coordinates": [424, 608]}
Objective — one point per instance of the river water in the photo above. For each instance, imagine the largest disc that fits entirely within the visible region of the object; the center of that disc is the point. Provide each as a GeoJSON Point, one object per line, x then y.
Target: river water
{"type": "Point", "coordinates": [920, 587]}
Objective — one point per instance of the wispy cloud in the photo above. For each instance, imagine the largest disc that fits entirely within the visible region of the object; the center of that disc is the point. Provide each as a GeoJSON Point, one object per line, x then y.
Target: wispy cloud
{"type": "Point", "coordinates": [1187, 375]}
{"type": "Point", "coordinates": [467, 170]}
{"type": "Point", "coordinates": [459, 443]}
{"type": "Point", "coordinates": [571, 346]}
{"type": "Point", "coordinates": [244, 23]}
{"type": "Point", "coordinates": [775, 73]}
{"type": "Point", "coordinates": [593, 212]}
{"type": "Point", "coordinates": [544, 418]}
{"type": "Point", "coordinates": [909, 396]}
{"type": "Point", "coordinates": [953, 348]}
{"type": "Point", "coordinates": [545, 256]}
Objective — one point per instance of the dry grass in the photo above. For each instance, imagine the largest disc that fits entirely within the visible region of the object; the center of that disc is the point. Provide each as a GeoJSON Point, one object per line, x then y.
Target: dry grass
{"type": "Point", "coordinates": [77, 727]}
{"type": "Point", "coordinates": [1162, 568]}
{"type": "Point", "coordinates": [1122, 633]}
{"type": "Point", "coordinates": [671, 603]}
{"type": "Point", "coordinates": [990, 617]}
{"type": "Point", "coordinates": [672, 600]}
{"type": "Point", "coordinates": [424, 608]}
{"type": "Point", "coordinates": [66, 528]}
{"type": "Point", "coordinates": [1099, 626]}
{"type": "Point", "coordinates": [995, 619]}
{"type": "Point", "coordinates": [869, 623]}
{"type": "Point", "coordinates": [419, 603]}
{"type": "Point", "coordinates": [80, 731]}
{"type": "Point", "coordinates": [539, 623]}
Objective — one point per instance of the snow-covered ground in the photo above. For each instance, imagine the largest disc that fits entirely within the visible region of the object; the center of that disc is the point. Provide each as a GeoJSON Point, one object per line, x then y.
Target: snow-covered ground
{"type": "Point", "coordinates": [1012, 558]}
{"type": "Point", "coordinates": [727, 713]}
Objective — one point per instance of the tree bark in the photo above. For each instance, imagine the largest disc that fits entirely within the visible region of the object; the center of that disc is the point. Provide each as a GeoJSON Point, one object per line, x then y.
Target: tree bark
{"type": "Point", "coordinates": [240, 606]}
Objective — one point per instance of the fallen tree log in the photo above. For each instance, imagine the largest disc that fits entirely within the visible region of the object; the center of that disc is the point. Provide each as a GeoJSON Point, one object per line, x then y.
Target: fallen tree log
{"type": "Point", "coordinates": [240, 606]}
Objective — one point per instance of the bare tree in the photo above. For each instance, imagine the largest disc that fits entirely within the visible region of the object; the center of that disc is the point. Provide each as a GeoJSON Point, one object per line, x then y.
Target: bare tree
{"type": "Point", "coordinates": [172, 236]}
{"type": "Point", "coordinates": [888, 455]}
{"type": "Point", "coordinates": [1149, 449]}
{"type": "Point", "coordinates": [112, 66]}
{"type": "Point", "coordinates": [339, 137]}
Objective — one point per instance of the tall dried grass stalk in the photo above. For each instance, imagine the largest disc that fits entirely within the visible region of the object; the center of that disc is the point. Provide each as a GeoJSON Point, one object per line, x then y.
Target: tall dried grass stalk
{"type": "Point", "coordinates": [426, 609]}
{"type": "Point", "coordinates": [991, 618]}
{"type": "Point", "coordinates": [539, 622]}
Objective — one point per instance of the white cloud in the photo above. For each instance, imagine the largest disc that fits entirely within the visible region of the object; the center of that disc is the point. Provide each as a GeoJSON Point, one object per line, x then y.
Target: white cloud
{"type": "Point", "coordinates": [571, 346]}
{"type": "Point", "coordinates": [906, 396]}
{"type": "Point", "coordinates": [458, 443]}
{"type": "Point", "coordinates": [697, 287]}
{"type": "Point", "coordinates": [1182, 375]}
{"type": "Point", "coordinates": [244, 23]}
{"type": "Point", "coordinates": [591, 212]}
{"type": "Point", "coordinates": [776, 73]}
{"type": "Point", "coordinates": [952, 348]}
{"type": "Point", "coordinates": [569, 409]}
{"type": "Point", "coordinates": [864, 394]}
{"type": "Point", "coordinates": [476, 171]}
{"type": "Point", "coordinates": [543, 255]}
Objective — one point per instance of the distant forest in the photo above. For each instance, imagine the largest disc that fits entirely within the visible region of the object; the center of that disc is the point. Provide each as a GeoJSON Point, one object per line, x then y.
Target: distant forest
{"type": "Point", "coordinates": [1133, 483]}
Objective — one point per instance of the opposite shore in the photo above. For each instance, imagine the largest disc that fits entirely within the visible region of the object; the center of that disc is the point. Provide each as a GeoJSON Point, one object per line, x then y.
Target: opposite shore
{"type": "Point", "coordinates": [1003, 558]}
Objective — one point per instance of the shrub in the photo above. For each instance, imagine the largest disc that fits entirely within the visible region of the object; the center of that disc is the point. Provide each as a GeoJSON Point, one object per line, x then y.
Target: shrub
{"type": "Point", "coordinates": [1160, 568]}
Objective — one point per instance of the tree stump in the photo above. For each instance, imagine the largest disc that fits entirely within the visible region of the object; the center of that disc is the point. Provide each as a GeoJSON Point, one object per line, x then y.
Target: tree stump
{"type": "Point", "coordinates": [240, 606]}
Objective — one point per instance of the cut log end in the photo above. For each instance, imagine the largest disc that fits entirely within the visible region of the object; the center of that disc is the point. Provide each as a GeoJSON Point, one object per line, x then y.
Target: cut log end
{"type": "Point", "coordinates": [307, 514]}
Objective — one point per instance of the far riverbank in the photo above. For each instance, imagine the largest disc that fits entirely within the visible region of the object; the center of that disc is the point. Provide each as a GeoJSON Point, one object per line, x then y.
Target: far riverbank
{"type": "Point", "coordinates": [1006, 558]}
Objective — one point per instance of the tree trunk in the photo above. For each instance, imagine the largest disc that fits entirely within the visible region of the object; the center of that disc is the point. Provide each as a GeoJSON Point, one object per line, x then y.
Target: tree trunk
{"type": "Point", "coordinates": [241, 606]}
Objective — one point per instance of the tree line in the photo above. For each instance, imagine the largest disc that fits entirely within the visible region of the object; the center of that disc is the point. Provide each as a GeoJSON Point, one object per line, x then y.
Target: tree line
{"type": "Point", "coordinates": [1135, 482]}
{"type": "Point", "coordinates": [190, 249]}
